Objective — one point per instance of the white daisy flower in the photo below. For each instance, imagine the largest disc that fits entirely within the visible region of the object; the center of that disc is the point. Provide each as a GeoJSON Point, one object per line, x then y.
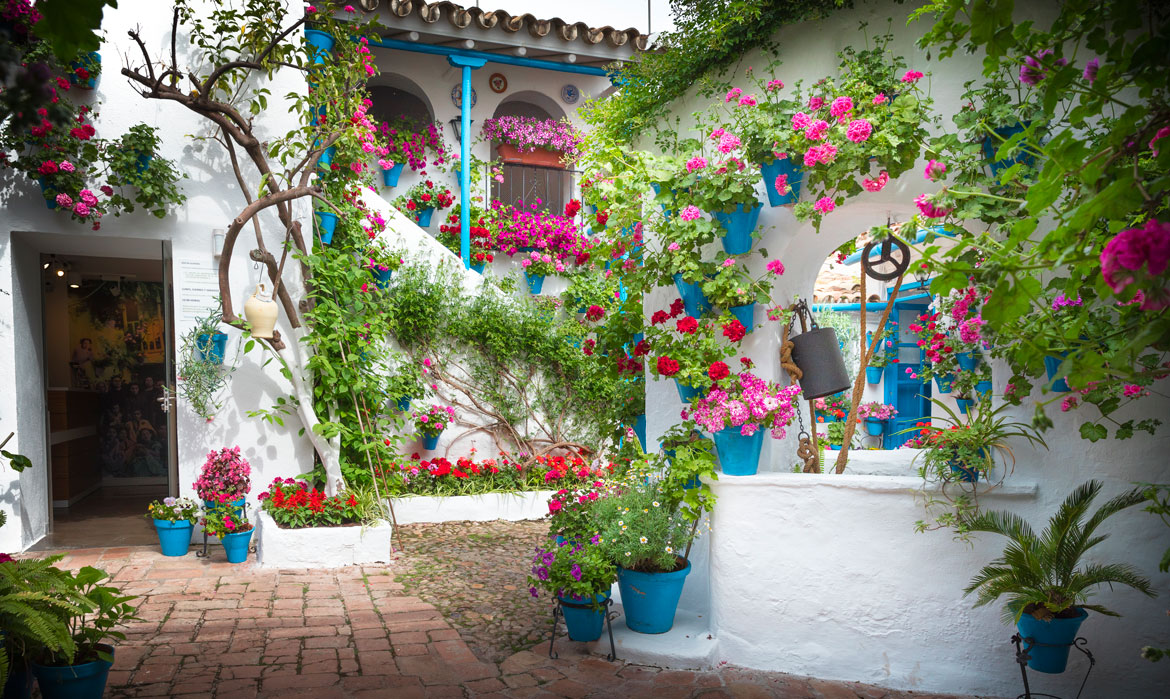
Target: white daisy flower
{"type": "Point", "coordinates": [643, 540]}
{"type": "Point", "coordinates": [669, 549]}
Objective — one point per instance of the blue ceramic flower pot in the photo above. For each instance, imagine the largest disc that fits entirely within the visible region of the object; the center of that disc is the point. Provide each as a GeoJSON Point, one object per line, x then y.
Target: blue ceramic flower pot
{"type": "Point", "coordinates": [835, 447]}
{"type": "Point", "coordinates": [745, 314]}
{"type": "Point", "coordinates": [174, 537]}
{"type": "Point", "coordinates": [478, 266]}
{"type": "Point", "coordinates": [211, 348]}
{"type": "Point", "coordinates": [773, 169]}
{"type": "Point", "coordinates": [142, 164]}
{"type": "Point", "coordinates": [236, 505]}
{"type": "Point", "coordinates": [964, 404]}
{"type": "Point", "coordinates": [694, 300]}
{"type": "Point", "coordinates": [658, 190]}
{"type": "Point", "coordinates": [992, 144]}
{"type": "Point", "coordinates": [874, 427]}
{"type": "Point", "coordinates": [873, 374]}
{"type": "Point", "coordinates": [326, 158]}
{"type": "Point", "coordinates": [535, 282]}
{"type": "Point", "coordinates": [650, 600]}
{"type": "Point", "coordinates": [326, 223]}
{"type": "Point", "coordinates": [390, 177]}
{"type": "Point", "coordinates": [423, 217]}
{"type": "Point", "coordinates": [966, 474]}
{"type": "Point", "coordinates": [583, 622]}
{"type": "Point", "coordinates": [403, 404]}
{"type": "Point", "coordinates": [20, 679]}
{"type": "Point", "coordinates": [640, 429]}
{"type": "Point", "coordinates": [1057, 635]}
{"type": "Point", "coordinates": [739, 455]}
{"type": "Point", "coordinates": [92, 81]}
{"type": "Point", "coordinates": [235, 546]}
{"type": "Point", "coordinates": [321, 43]}
{"type": "Point", "coordinates": [983, 386]}
{"type": "Point", "coordinates": [967, 360]}
{"type": "Point", "coordinates": [944, 382]}
{"type": "Point", "coordinates": [51, 201]}
{"type": "Point", "coordinates": [84, 681]}
{"type": "Point", "coordinates": [431, 441]}
{"type": "Point", "coordinates": [1051, 366]}
{"type": "Point", "coordinates": [381, 277]}
{"type": "Point", "coordinates": [739, 225]}
{"type": "Point", "coordinates": [687, 393]}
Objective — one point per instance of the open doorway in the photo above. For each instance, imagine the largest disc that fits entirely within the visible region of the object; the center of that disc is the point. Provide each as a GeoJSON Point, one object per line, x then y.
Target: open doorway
{"type": "Point", "coordinates": [108, 356]}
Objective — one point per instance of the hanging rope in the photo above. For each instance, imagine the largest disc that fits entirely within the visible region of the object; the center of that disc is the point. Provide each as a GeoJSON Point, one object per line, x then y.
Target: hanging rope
{"type": "Point", "coordinates": [806, 451]}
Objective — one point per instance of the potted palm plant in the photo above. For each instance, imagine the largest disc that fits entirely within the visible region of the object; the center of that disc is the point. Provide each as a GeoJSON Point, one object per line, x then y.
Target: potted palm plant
{"type": "Point", "coordinates": [1046, 583]}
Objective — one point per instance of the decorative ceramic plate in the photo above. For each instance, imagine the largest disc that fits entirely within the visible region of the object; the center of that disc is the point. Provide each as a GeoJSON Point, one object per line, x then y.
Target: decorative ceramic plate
{"type": "Point", "coordinates": [457, 96]}
{"type": "Point", "coordinates": [570, 94]}
{"type": "Point", "coordinates": [498, 83]}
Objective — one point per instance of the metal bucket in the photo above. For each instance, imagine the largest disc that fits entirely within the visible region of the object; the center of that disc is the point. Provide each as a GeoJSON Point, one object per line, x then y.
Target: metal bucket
{"type": "Point", "coordinates": [818, 354]}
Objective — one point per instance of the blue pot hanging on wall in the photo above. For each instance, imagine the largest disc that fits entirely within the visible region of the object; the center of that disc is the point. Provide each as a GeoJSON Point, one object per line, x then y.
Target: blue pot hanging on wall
{"type": "Point", "coordinates": [739, 455]}
{"type": "Point", "coordinates": [687, 393]}
{"type": "Point", "coordinates": [745, 314]}
{"type": "Point", "coordinates": [423, 217]}
{"type": "Point", "coordinates": [773, 169]}
{"type": "Point", "coordinates": [991, 144]}
{"type": "Point", "coordinates": [739, 225]}
{"type": "Point", "coordinates": [321, 43]}
{"type": "Point", "coordinates": [967, 360]}
{"type": "Point", "coordinates": [964, 404]}
{"type": "Point", "coordinates": [535, 282]}
{"type": "Point", "coordinates": [211, 348]}
{"type": "Point", "coordinates": [403, 404]}
{"type": "Point", "coordinates": [390, 177]}
{"type": "Point", "coordinates": [694, 300]}
{"type": "Point", "coordinates": [326, 158]}
{"type": "Point", "coordinates": [478, 266]}
{"type": "Point", "coordinates": [431, 441]}
{"type": "Point", "coordinates": [381, 277]}
{"type": "Point", "coordinates": [944, 382]}
{"type": "Point", "coordinates": [51, 198]}
{"type": "Point", "coordinates": [327, 223]}
{"type": "Point", "coordinates": [874, 427]}
{"type": "Point", "coordinates": [1052, 366]}
{"type": "Point", "coordinates": [640, 429]}
{"type": "Point", "coordinates": [873, 374]}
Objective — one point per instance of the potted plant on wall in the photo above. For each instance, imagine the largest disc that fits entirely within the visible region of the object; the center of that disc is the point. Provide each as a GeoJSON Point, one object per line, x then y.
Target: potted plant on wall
{"type": "Point", "coordinates": [579, 574]}
{"type": "Point", "coordinates": [381, 260]}
{"type": "Point", "coordinates": [532, 141]}
{"type": "Point", "coordinates": [1046, 583]}
{"type": "Point", "coordinates": [174, 520]}
{"type": "Point", "coordinates": [431, 422]}
{"type": "Point", "coordinates": [420, 201]}
{"type": "Point", "coordinates": [725, 187]}
{"type": "Point", "coordinates": [875, 415]}
{"type": "Point", "coordinates": [685, 349]}
{"type": "Point", "coordinates": [203, 378]}
{"type": "Point", "coordinates": [91, 614]}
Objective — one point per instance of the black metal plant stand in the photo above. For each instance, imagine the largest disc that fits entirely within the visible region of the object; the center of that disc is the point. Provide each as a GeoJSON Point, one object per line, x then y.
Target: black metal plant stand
{"type": "Point", "coordinates": [558, 614]}
{"type": "Point", "coordinates": [1025, 644]}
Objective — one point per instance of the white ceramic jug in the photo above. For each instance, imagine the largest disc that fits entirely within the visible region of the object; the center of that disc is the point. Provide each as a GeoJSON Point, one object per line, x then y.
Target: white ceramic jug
{"type": "Point", "coordinates": [260, 310]}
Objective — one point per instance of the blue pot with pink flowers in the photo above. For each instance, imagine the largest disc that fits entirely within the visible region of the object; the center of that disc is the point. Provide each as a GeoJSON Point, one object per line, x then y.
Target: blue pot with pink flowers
{"type": "Point", "coordinates": [390, 175]}
{"type": "Point", "coordinates": [739, 225]}
{"type": "Point", "coordinates": [773, 169]}
{"type": "Point", "coordinates": [381, 276]}
{"type": "Point", "coordinates": [431, 441]}
{"type": "Point", "coordinates": [874, 427]}
{"type": "Point", "coordinates": [1052, 367]}
{"type": "Point", "coordinates": [236, 545]}
{"type": "Point", "coordinates": [535, 282]}
{"type": "Point", "coordinates": [739, 454]}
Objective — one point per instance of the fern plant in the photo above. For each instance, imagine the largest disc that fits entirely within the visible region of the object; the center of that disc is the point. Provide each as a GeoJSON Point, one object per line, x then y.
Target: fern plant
{"type": "Point", "coordinates": [1044, 575]}
{"type": "Point", "coordinates": [35, 601]}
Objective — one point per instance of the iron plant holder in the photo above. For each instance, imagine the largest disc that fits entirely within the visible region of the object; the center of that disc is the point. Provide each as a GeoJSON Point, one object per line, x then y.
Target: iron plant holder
{"type": "Point", "coordinates": [1024, 644]}
{"type": "Point", "coordinates": [558, 614]}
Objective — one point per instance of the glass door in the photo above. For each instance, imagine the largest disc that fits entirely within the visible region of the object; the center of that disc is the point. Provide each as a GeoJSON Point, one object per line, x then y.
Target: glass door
{"type": "Point", "coordinates": [167, 395]}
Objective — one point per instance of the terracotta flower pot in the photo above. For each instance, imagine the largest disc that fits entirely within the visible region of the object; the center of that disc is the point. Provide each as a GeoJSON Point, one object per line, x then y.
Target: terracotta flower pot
{"type": "Point", "coordinates": [539, 157]}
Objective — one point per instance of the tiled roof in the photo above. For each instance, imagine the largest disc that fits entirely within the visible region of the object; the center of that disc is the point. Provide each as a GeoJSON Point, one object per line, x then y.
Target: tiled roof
{"type": "Point", "coordinates": [461, 17]}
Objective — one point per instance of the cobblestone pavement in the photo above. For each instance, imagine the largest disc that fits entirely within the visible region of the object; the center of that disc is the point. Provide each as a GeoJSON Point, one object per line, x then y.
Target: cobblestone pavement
{"type": "Point", "coordinates": [211, 629]}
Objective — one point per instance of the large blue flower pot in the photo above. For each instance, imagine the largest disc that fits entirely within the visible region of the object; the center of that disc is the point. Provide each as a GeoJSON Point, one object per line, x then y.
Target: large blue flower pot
{"type": "Point", "coordinates": [991, 145]}
{"type": "Point", "coordinates": [874, 427]}
{"type": "Point", "coordinates": [687, 393]}
{"type": "Point", "coordinates": [694, 300]}
{"type": "Point", "coordinates": [431, 441]}
{"type": "Point", "coordinates": [739, 455]}
{"type": "Point", "coordinates": [84, 681]}
{"type": "Point", "coordinates": [967, 360]}
{"type": "Point", "coordinates": [212, 347]}
{"type": "Point", "coordinates": [745, 314]}
{"type": "Point", "coordinates": [326, 158]}
{"type": "Point", "coordinates": [236, 505]}
{"type": "Point", "coordinates": [944, 382]}
{"type": "Point", "coordinates": [773, 169]}
{"type": "Point", "coordinates": [327, 223]}
{"type": "Point", "coordinates": [650, 600]}
{"type": "Point", "coordinates": [235, 546]}
{"type": "Point", "coordinates": [390, 177]}
{"type": "Point", "coordinates": [583, 622]}
{"type": "Point", "coordinates": [873, 374]}
{"type": "Point", "coordinates": [174, 537]}
{"type": "Point", "coordinates": [739, 225]}
{"type": "Point", "coordinates": [381, 277]}
{"type": "Point", "coordinates": [1057, 635]}
{"type": "Point", "coordinates": [321, 43]}
{"type": "Point", "coordinates": [535, 282]}
{"type": "Point", "coordinates": [1052, 365]}
{"type": "Point", "coordinates": [423, 217]}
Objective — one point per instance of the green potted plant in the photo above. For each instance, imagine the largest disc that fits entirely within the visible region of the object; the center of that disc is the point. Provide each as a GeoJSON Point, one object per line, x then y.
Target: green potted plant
{"type": "Point", "coordinates": [133, 161]}
{"type": "Point", "coordinates": [579, 575]}
{"type": "Point", "coordinates": [835, 432]}
{"type": "Point", "coordinates": [230, 525]}
{"type": "Point", "coordinates": [876, 414]}
{"type": "Point", "coordinates": [420, 201]}
{"type": "Point", "coordinates": [735, 291]}
{"type": "Point", "coordinates": [1045, 580]}
{"type": "Point", "coordinates": [174, 520]}
{"type": "Point", "coordinates": [382, 260]}
{"type": "Point", "coordinates": [91, 614]}
{"type": "Point", "coordinates": [203, 378]}
{"type": "Point", "coordinates": [684, 350]}
{"type": "Point", "coordinates": [725, 187]}
{"type": "Point", "coordinates": [34, 600]}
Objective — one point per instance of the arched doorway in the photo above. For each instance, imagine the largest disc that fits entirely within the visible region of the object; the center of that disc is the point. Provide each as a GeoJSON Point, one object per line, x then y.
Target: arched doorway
{"type": "Point", "coordinates": [394, 97]}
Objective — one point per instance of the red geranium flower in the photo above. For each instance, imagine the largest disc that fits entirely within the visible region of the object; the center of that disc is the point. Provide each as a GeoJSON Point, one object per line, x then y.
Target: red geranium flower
{"type": "Point", "coordinates": [595, 313]}
{"type": "Point", "coordinates": [676, 307]}
{"type": "Point", "coordinates": [734, 330]}
{"type": "Point", "coordinates": [641, 349]}
{"type": "Point", "coordinates": [658, 317]}
{"type": "Point", "coordinates": [687, 325]}
{"type": "Point", "coordinates": [718, 370]}
{"type": "Point", "coordinates": [667, 366]}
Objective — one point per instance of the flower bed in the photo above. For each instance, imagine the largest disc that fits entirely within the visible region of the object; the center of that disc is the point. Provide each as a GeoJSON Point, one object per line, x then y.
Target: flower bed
{"type": "Point", "coordinates": [466, 476]}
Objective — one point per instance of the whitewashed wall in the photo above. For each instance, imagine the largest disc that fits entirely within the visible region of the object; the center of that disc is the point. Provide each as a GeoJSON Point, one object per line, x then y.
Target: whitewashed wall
{"type": "Point", "coordinates": [824, 576]}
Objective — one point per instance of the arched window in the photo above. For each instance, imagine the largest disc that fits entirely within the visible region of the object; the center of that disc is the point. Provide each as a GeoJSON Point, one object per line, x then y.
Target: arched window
{"type": "Point", "coordinates": [528, 184]}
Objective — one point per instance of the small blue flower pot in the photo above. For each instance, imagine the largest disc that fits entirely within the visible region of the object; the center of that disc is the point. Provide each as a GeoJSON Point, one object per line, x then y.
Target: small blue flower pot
{"type": "Point", "coordinates": [873, 374]}
{"type": "Point", "coordinates": [1051, 366]}
{"type": "Point", "coordinates": [91, 82]}
{"type": "Point", "coordinates": [687, 393]}
{"type": "Point", "coordinates": [327, 223]}
{"type": "Point", "coordinates": [835, 447]}
{"type": "Point", "coordinates": [964, 404]}
{"type": "Point", "coordinates": [431, 441]}
{"type": "Point", "coordinates": [142, 164]}
{"type": "Point", "coordinates": [87, 680]}
{"type": "Point", "coordinates": [967, 360]}
{"type": "Point", "coordinates": [235, 546]}
{"type": "Point", "coordinates": [649, 600]}
{"type": "Point", "coordinates": [944, 383]}
{"type": "Point", "coordinates": [174, 537]}
{"type": "Point", "coordinates": [694, 300]}
{"type": "Point", "coordinates": [50, 202]}
{"type": "Point", "coordinates": [236, 505]}
{"type": "Point", "coordinates": [583, 622]}
{"type": "Point", "coordinates": [326, 158]}
{"type": "Point", "coordinates": [739, 225]}
{"type": "Point", "coordinates": [983, 387]}
{"type": "Point", "coordinates": [321, 43]}
{"type": "Point", "coordinates": [423, 217]}
{"type": "Point", "coordinates": [478, 266]}
{"type": "Point", "coordinates": [874, 427]}
{"type": "Point", "coordinates": [381, 277]}
{"type": "Point", "coordinates": [1057, 635]}
{"type": "Point", "coordinates": [403, 404]}
{"type": "Point", "coordinates": [739, 455]}
{"type": "Point", "coordinates": [773, 169]}
{"type": "Point", "coordinates": [640, 429]}
{"type": "Point", "coordinates": [966, 474]}
{"type": "Point", "coordinates": [991, 145]}
{"type": "Point", "coordinates": [390, 177]}
{"type": "Point", "coordinates": [211, 348]}
{"type": "Point", "coordinates": [658, 190]}
{"type": "Point", "coordinates": [745, 314]}
{"type": "Point", "coordinates": [535, 282]}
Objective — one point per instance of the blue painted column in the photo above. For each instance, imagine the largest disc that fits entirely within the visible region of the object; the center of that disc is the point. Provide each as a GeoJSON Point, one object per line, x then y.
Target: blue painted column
{"type": "Point", "coordinates": [467, 63]}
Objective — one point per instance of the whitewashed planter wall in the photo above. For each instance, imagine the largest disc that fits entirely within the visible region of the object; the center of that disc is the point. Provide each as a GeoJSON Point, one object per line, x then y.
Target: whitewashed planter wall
{"type": "Point", "coordinates": [320, 547]}
{"type": "Point", "coordinates": [513, 507]}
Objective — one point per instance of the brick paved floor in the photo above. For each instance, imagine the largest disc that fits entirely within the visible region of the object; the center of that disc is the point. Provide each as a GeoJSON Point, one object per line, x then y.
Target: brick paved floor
{"type": "Point", "coordinates": [211, 629]}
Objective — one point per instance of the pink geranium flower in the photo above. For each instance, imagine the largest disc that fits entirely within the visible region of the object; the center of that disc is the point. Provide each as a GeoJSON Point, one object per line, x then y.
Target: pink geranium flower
{"type": "Point", "coordinates": [825, 205]}
{"type": "Point", "coordinates": [876, 185]}
{"type": "Point", "coordinates": [859, 130]}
